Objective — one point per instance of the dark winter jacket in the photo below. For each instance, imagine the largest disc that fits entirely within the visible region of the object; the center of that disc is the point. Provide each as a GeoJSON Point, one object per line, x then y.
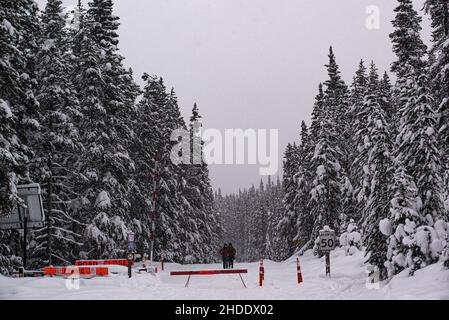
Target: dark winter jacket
{"type": "Point", "coordinates": [231, 252]}
{"type": "Point", "coordinates": [224, 252]}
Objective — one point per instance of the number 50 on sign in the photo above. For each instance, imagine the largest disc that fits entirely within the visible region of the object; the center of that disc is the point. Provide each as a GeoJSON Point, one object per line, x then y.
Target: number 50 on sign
{"type": "Point", "coordinates": [327, 241]}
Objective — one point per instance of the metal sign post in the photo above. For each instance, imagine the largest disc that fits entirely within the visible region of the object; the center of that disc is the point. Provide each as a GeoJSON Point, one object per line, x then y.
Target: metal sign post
{"type": "Point", "coordinates": [130, 259]}
{"type": "Point", "coordinates": [327, 242]}
{"type": "Point", "coordinates": [28, 214]}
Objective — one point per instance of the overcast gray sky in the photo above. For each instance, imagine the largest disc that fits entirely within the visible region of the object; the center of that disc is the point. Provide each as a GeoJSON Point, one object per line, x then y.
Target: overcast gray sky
{"type": "Point", "coordinates": [250, 63]}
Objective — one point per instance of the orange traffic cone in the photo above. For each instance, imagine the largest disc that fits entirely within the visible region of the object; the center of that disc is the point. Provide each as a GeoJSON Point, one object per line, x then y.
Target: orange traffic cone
{"type": "Point", "coordinates": [298, 270]}
{"type": "Point", "coordinates": [261, 273]}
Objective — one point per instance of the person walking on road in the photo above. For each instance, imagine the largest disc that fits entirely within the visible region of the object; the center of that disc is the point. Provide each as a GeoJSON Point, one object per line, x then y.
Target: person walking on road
{"type": "Point", "coordinates": [225, 256]}
{"type": "Point", "coordinates": [231, 253]}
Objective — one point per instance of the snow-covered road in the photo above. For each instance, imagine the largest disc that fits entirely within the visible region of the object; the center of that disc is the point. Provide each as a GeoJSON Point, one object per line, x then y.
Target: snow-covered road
{"type": "Point", "coordinates": [347, 282]}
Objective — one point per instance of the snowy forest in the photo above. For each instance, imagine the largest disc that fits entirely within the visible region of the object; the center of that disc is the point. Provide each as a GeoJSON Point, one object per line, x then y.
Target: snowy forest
{"type": "Point", "coordinates": [372, 165]}
{"type": "Point", "coordinates": [250, 221]}
{"type": "Point", "coordinates": [73, 119]}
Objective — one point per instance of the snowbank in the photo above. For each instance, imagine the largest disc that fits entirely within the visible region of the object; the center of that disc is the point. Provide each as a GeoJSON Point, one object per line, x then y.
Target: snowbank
{"type": "Point", "coordinates": [348, 281]}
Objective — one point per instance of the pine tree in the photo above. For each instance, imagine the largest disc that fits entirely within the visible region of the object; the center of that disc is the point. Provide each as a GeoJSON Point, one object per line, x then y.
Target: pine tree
{"type": "Point", "coordinates": [104, 91]}
{"type": "Point", "coordinates": [378, 147]}
{"type": "Point", "coordinates": [97, 183]}
{"type": "Point", "coordinates": [336, 101]}
{"type": "Point", "coordinates": [288, 223]}
{"type": "Point", "coordinates": [361, 137]}
{"type": "Point", "coordinates": [417, 141]}
{"type": "Point", "coordinates": [439, 70]}
{"type": "Point", "coordinates": [386, 100]}
{"type": "Point", "coordinates": [57, 140]}
{"type": "Point", "coordinates": [317, 113]}
{"type": "Point", "coordinates": [325, 162]}
{"type": "Point", "coordinates": [18, 24]}
{"type": "Point", "coordinates": [304, 222]}
{"type": "Point", "coordinates": [19, 29]}
{"type": "Point", "coordinates": [407, 43]}
{"type": "Point", "coordinates": [404, 209]}
{"type": "Point", "coordinates": [198, 193]}
{"type": "Point", "coordinates": [325, 193]}
{"type": "Point", "coordinates": [359, 116]}
{"type": "Point", "coordinates": [154, 108]}
{"type": "Point", "coordinates": [418, 148]}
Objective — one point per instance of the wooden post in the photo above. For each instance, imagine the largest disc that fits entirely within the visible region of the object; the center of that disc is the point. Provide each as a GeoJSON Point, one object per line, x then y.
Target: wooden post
{"type": "Point", "coordinates": [328, 264]}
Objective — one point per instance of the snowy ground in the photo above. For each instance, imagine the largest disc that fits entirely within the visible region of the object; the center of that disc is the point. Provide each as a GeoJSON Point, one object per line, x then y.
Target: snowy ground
{"type": "Point", "coordinates": [348, 282]}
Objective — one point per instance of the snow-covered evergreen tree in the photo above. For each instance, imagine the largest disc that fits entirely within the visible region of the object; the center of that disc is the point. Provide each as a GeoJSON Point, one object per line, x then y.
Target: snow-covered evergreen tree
{"type": "Point", "coordinates": [439, 74]}
{"type": "Point", "coordinates": [351, 239]}
{"type": "Point", "coordinates": [407, 43]}
{"type": "Point", "coordinates": [325, 162]}
{"type": "Point", "coordinates": [287, 224]}
{"type": "Point", "coordinates": [418, 148]}
{"type": "Point", "coordinates": [304, 223]}
{"type": "Point", "coordinates": [377, 174]}
{"type": "Point", "coordinates": [57, 140]}
{"type": "Point", "coordinates": [405, 204]}
{"type": "Point", "coordinates": [19, 29]}
{"type": "Point", "coordinates": [104, 165]}
{"type": "Point", "coordinates": [18, 105]}
{"type": "Point", "coordinates": [198, 192]}
{"type": "Point", "coordinates": [417, 141]}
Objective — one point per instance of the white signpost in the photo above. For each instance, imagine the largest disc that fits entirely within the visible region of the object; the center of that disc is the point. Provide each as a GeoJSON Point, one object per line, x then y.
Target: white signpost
{"type": "Point", "coordinates": [327, 242]}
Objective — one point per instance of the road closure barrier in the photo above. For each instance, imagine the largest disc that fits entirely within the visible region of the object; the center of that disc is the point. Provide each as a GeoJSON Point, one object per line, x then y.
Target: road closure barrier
{"type": "Point", "coordinates": [118, 262]}
{"type": "Point", "coordinates": [209, 273]}
{"type": "Point", "coordinates": [81, 271]}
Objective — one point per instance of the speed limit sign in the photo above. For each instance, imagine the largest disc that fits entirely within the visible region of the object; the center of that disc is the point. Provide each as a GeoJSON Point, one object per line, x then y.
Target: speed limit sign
{"type": "Point", "coordinates": [327, 240]}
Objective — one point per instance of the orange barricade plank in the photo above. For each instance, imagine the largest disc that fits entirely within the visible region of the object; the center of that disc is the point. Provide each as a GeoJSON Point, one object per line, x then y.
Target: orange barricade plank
{"type": "Point", "coordinates": [62, 271]}
{"type": "Point", "coordinates": [207, 272]}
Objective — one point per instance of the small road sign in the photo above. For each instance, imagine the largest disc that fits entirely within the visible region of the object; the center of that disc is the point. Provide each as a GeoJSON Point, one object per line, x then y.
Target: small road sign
{"type": "Point", "coordinates": [327, 241]}
{"type": "Point", "coordinates": [131, 244]}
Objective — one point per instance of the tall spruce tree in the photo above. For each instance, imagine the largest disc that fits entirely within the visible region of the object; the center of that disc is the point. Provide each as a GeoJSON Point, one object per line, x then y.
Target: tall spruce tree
{"type": "Point", "coordinates": [304, 222]}
{"type": "Point", "coordinates": [18, 31]}
{"type": "Point", "coordinates": [57, 140]}
{"type": "Point", "coordinates": [439, 75]}
{"type": "Point", "coordinates": [325, 163]}
{"type": "Point", "coordinates": [417, 141]}
{"type": "Point", "coordinates": [377, 174]}
{"type": "Point", "coordinates": [18, 111]}
{"type": "Point", "coordinates": [403, 214]}
{"type": "Point", "coordinates": [288, 223]}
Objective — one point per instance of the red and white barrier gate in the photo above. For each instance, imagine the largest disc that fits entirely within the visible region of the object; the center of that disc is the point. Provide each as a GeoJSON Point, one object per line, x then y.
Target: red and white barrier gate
{"type": "Point", "coordinates": [208, 273]}
{"type": "Point", "coordinates": [81, 271]}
